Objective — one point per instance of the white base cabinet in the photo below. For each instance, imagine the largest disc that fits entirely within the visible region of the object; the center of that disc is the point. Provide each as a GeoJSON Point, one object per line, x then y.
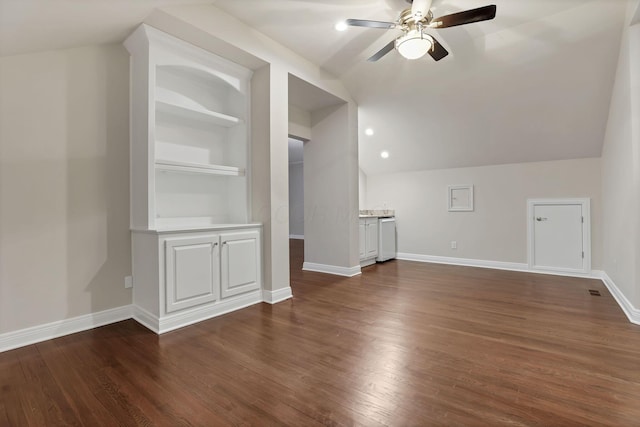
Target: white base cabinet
{"type": "Point", "coordinates": [368, 241]}
{"type": "Point", "coordinates": [183, 277]}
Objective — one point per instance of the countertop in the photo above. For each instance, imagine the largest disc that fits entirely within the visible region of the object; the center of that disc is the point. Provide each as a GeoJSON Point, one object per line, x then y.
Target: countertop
{"type": "Point", "coordinates": [377, 213]}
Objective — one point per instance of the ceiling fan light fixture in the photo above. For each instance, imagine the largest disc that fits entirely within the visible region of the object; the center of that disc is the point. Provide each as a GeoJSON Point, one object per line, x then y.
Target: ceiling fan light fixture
{"type": "Point", "coordinates": [415, 44]}
{"type": "Point", "coordinates": [341, 26]}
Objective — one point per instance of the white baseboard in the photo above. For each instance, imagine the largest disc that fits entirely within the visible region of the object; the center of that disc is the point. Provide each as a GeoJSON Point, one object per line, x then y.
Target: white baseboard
{"type": "Point", "coordinates": [367, 262]}
{"type": "Point", "coordinates": [296, 236]}
{"type": "Point", "coordinates": [497, 265]}
{"type": "Point", "coordinates": [632, 313]}
{"type": "Point", "coordinates": [279, 295]}
{"type": "Point", "coordinates": [146, 319]}
{"type": "Point", "coordinates": [35, 334]}
{"type": "Point", "coordinates": [184, 318]}
{"type": "Point", "coordinates": [332, 269]}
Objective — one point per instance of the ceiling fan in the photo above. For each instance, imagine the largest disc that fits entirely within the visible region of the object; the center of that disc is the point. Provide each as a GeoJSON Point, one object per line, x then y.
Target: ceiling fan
{"type": "Point", "coordinates": [414, 21]}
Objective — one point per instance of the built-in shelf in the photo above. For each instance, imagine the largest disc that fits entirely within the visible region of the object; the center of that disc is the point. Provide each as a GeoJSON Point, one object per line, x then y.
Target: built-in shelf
{"type": "Point", "coordinates": [175, 166]}
{"type": "Point", "coordinates": [196, 112]}
{"type": "Point", "coordinates": [189, 113]}
{"type": "Point", "coordinates": [189, 110]}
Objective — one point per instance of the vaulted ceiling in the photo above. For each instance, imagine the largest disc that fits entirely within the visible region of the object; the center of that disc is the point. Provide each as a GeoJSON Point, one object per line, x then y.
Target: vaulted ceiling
{"type": "Point", "coordinates": [534, 84]}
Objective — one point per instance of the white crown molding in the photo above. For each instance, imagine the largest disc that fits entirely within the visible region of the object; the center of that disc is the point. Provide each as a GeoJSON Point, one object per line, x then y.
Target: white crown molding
{"type": "Point", "coordinates": [632, 313]}
{"type": "Point", "coordinates": [47, 331]}
{"type": "Point", "coordinates": [279, 295]}
{"type": "Point", "coordinates": [332, 269]}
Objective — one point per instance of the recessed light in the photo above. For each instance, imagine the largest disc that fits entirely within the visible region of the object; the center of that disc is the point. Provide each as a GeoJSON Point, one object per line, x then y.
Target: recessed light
{"type": "Point", "coordinates": [384, 154]}
{"type": "Point", "coordinates": [369, 132]}
{"type": "Point", "coordinates": [341, 26]}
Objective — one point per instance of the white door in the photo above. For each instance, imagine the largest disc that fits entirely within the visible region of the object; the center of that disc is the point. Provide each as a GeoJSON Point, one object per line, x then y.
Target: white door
{"type": "Point", "coordinates": [241, 270]}
{"type": "Point", "coordinates": [559, 236]}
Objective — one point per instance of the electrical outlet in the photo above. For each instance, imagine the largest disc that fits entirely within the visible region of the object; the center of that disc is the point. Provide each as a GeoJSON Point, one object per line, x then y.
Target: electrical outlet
{"type": "Point", "coordinates": [128, 282]}
{"type": "Point", "coordinates": [454, 244]}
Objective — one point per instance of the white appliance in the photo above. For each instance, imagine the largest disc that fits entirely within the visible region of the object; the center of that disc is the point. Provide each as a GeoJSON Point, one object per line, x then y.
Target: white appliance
{"type": "Point", "coordinates": [386, 239]}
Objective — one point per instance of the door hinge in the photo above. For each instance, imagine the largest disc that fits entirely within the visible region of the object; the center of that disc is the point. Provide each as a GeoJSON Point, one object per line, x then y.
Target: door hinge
{"type": "Point", "coordinates": [583, 254]}
{"type": "Point", "coordinates": [583, 220]}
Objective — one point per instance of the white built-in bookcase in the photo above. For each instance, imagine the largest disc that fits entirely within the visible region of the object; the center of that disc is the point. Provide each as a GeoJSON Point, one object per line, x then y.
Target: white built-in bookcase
{"type": "Point", "coordinates": [189, 157]}
{"type": "Point", "coordinates": [194, 254]}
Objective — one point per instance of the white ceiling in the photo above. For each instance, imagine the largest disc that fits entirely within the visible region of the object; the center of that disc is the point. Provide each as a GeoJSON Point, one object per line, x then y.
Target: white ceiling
{"type": "Point", "coordinates": [309, 97]}
{"type": "Point", "coordinates": [533, 84]}
{"type": "Point", "coordinates": [35, 25]}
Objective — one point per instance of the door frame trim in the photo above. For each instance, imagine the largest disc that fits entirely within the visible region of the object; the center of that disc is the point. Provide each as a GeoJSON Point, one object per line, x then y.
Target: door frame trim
{"type": "Point", "coordinates": [586, 232]}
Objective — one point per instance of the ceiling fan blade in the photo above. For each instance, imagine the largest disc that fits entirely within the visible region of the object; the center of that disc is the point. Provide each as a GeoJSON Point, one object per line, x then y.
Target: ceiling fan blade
{"type": "Point", "coordinates": [438, 51]}
{"type": "Point", "coordinates": [370, 24]}
{"type": "Point", "coordinates": [420, 8]}
{"type": "Point", "coordinates": [466, 17]}
{"type": "Point", "coordinates": [382, 52]}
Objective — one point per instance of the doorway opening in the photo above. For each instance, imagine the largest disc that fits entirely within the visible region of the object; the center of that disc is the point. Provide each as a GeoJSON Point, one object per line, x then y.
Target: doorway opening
{"type": "Point", "coordinates": [296, 188]}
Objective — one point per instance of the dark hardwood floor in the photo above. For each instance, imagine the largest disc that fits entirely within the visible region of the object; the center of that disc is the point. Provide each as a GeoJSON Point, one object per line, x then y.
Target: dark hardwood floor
{"type": "Point", "coordinates": [403, 344]}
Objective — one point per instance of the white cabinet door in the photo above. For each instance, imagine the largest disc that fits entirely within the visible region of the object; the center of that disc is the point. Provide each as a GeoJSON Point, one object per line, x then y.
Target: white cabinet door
{"type": "Point", "coordinates": [240, 263]}
{"type": "Point", "coordinates": [372, 238]}
{"type": "Point", "coordinates": [363, 239]}
{"type": "Point", "coordinates": [192, 271]}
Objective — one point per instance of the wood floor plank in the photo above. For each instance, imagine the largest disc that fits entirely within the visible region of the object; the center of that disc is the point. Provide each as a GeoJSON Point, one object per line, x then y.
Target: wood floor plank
{"type": "Point", "coordinates": [405, 343]}
{"type": "Point", "coordinates": [42, 400]}
{"type": "Point", "coordinates": [77, 390]}
{"type": "Point", "coordinates": [12, 384]}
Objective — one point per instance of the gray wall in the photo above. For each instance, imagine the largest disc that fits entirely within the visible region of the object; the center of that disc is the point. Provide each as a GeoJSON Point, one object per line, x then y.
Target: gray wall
{"type": "Point", "coordinates": [65, 245]}
{"type": "Point", "coordinates": [362, 189]}
{"type": "Point", "coordinates": [497, 228]}
{"type": "Point", "coordinates": [621, 171]}
{"type": "Point", "coordinates": [331, 188]}
{"type": "Point", "coordinates": [270, 175]}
